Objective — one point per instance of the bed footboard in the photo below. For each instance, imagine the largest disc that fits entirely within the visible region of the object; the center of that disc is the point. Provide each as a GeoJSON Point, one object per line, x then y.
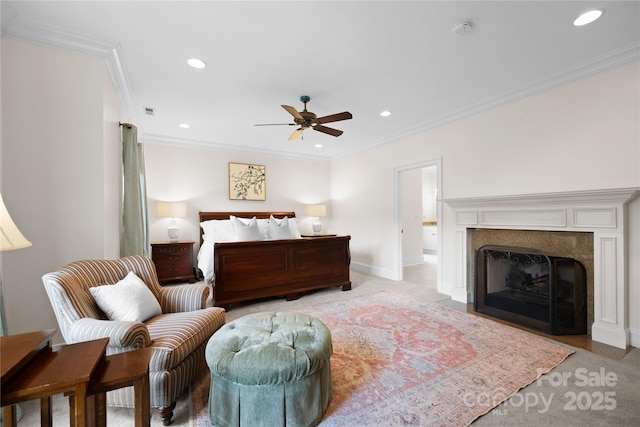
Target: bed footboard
{"type": "Point", "coordinates": [251, 270]}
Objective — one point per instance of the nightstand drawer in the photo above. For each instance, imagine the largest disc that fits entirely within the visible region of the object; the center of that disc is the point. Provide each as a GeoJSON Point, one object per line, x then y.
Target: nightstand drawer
{"type": "Point", "coordinates": [173, 261]}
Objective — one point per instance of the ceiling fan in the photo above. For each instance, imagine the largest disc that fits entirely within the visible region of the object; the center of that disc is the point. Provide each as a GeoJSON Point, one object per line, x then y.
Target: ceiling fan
{"type": "Point", "coordinates": [306, 119]}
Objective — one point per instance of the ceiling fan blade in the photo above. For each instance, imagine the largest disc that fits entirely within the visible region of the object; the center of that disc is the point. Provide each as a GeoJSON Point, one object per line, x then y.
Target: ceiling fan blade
{"type": "Point", "coordinates": [293, 112]}
{"type": "Point", "coordinates": [275, 124]}
{"type": "Point", "coordinates": [328, 130]}
{"type": "Point", "coordinates": [334, 117]}
{"type": "Point", "coordinates": [296, 134]}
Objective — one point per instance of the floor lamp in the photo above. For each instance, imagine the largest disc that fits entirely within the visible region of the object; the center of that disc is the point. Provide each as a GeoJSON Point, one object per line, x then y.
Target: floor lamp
{"type": "Point", "coordinates": [10, 239]}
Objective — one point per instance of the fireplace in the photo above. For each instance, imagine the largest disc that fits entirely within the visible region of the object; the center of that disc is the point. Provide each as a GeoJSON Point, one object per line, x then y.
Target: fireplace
{"type": "Point", "coordinates": [528, 287]}
{"type": "Point", "coordinates": [602, 214]}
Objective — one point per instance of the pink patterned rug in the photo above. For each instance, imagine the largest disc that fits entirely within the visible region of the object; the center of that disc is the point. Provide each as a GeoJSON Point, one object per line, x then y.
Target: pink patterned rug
{"type": "Point", "coordinates": [401, 362]}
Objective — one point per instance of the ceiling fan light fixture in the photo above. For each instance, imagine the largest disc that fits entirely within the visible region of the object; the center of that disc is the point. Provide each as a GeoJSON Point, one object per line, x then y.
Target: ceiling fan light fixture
{"type": "Point", "coordinates": [588, 17]}
{"type": "Point", "coordinates": [306, 119]}
{"type": "Point", "coordinates": [196, 63]}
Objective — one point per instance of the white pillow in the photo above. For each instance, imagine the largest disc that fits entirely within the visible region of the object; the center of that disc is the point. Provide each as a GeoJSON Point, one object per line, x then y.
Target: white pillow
{"type": "Point", "coordinates": [281, 230]}
{"type": "Point", "coordinates": [218, 230]}
{"type": "Point", "coordinates": [129, 300]}
{"type": "Point", "coordinates": [246, 232]}
{"type": "Point", "coordinates": [263, 225]}
{"type": "Point", "coordinates": [293, 226]}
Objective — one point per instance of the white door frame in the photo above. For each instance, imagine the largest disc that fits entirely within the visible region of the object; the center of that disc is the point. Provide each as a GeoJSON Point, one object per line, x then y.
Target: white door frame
{"type": "Point", "coordinates": [397, 215]}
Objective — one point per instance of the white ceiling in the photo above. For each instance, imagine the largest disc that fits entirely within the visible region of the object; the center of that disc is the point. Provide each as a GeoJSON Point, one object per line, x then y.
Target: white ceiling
{"type": "Point", "coordinates": [359, 56]}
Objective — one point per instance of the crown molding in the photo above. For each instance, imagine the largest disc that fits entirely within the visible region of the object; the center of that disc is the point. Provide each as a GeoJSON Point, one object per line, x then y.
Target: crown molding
{"type": "Point", "coordinates": [206, 145]}
{"type": "Point", "coordinates": [613, 59]}
{"type": "Point", "coordinates": [109, 50]}
{"type": "Point", "coordinates": [613, 195]}
{"type": "Point", "coordinates": [20, 29]}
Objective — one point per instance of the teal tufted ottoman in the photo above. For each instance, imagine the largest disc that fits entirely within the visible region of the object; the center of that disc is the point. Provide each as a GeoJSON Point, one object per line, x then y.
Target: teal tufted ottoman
{"type": "Point", "coordinates": [270, 369]}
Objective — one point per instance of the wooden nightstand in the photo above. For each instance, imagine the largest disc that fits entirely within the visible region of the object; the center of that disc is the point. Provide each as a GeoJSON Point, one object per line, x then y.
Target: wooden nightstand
{"type": "Point", "coordinates": [173, 260]}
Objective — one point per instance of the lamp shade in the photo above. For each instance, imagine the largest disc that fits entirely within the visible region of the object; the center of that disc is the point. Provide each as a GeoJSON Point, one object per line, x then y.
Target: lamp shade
{"type": "Point", "coordinates": [10, 237]}
{"type": "Point", "coordinates": [317, 210]}
{"type": "Point", "coordinates": [172, 209]}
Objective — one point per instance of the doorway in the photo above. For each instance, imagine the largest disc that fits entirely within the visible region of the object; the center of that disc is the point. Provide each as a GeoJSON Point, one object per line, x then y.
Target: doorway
{"type": "Point", "coordinates": [418, 208]}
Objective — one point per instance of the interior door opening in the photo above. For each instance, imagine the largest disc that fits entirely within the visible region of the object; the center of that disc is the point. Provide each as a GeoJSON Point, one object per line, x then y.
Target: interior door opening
{"type": "Point", "coordinates": [417, 212]}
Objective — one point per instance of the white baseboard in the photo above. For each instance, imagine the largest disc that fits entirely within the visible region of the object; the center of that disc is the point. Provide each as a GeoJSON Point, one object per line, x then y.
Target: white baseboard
{"type": "Point", "coordinates": [412, 261]}
{"type": "Point", "coordinates": [606, 334]}
{"type": "Point", "coordinates": [634, 337]}
{"type": "Point", "coordinates": [376, 271]}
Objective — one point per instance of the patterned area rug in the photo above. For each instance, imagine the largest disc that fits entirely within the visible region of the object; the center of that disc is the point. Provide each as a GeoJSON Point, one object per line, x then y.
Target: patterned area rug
{"type": "Point", "coordinates": [401, 362]}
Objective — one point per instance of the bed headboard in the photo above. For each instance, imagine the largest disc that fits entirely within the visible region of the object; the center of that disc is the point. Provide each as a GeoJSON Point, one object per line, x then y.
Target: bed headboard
{"type": "Point", "coordinates": [207, 216]}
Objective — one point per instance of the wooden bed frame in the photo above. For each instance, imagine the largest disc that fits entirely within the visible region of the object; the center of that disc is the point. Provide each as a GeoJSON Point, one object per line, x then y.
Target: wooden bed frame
{"type": "Point", "coordinates": [258, 269]}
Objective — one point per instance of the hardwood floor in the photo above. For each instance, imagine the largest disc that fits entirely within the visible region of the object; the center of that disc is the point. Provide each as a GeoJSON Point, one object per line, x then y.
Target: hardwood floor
{"type": "Point", "coordinates": [426, 273]}
{"type": "Point", "coordinates": [581, 341]}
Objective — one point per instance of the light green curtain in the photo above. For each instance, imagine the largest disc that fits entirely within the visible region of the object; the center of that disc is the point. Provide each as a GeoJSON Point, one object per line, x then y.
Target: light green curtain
{"type": "Point", "coordinates": [135, 225]}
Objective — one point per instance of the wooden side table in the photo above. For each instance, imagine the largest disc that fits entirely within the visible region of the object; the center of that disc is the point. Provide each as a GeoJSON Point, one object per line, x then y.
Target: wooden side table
{"type": "Point", "coordinates": [68, 369]}
{"type": "Point", "coordinates": [117, 371]}
{"type": "Point", "coordinates": [173, 260]}
{"type": "Point", "coordinates": [17, 350]}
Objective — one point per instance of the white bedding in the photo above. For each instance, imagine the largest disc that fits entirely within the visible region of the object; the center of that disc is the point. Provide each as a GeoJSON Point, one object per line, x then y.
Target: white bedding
{"type": "Point", "coordinates": [205, 260]}
{"type": "Point", "coordinates": [237, 229]}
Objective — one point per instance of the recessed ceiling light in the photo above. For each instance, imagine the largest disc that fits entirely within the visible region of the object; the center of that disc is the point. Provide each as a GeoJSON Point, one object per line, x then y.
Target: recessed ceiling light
{"type": "Point", "coordinates": [196, 63]}
{"type": "Point", "coordinates": [588, 17]}
{"type": "Point", "coordinates": [318, 145]}
{"type": "Point", "coordinates": [385, 113]}
{"type": "Point", "coordinates": [184, 126]}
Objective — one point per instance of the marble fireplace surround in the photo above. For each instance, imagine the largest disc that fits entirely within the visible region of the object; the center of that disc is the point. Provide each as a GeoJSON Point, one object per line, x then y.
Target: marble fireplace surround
{"type": "Point", "coordinates": [601, 212]}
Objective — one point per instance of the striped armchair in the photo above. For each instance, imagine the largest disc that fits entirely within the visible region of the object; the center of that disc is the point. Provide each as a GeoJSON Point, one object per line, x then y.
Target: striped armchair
{"type": "Point", "coordinates": [178, 336]}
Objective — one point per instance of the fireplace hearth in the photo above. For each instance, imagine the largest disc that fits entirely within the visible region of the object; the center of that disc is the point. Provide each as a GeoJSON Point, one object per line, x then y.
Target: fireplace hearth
{"type": "Point", "coordinates": [530, 288]}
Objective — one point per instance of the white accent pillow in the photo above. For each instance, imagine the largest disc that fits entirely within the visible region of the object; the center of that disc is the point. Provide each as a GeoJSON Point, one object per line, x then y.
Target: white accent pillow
{"type": "Point", "coordinates": [246, 232]}
{"type": "Point", "coordinates": [128, 300]}
{"type": "Point", "coordinates": [263, 225]}
{"type": "Point", "coordinates": [293, 226]}
{"type": "Point", "coordinates": [281, 230]}
{"type": "Point", "coordinates": [218, 230]}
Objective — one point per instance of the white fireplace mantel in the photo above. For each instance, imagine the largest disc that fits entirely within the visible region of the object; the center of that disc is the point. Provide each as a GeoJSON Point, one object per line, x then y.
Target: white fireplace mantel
{"type": "Point", "coordinates": [602, 212]}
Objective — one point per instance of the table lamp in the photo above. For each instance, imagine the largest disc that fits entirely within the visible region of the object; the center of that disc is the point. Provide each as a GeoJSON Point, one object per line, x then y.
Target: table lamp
{"type": "Point", "coordinates": [317, 211]}
{"type": "Point", "coordinates": [172, 210]}
{"type": "Point", "coordinates": [10, 239]}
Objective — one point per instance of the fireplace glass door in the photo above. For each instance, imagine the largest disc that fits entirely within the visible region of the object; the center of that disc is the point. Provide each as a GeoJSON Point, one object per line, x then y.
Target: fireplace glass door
{"type": "Point", "coordinates": [525, 286]}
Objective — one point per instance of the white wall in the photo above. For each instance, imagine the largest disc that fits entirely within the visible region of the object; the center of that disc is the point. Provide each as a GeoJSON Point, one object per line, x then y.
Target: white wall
{"type": "Point", "coordinates": [200, 178]}
{"type": "Point", "coordinates": [59, 170]}
{"type": "Point", "coordinates": [429, 186]}
{"type": "Point", "coordinates": [581, 136]}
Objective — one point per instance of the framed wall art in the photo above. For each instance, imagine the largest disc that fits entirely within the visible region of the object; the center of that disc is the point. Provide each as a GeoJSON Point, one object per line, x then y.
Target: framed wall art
{"type": "Point", "coordinates": [247, 182]}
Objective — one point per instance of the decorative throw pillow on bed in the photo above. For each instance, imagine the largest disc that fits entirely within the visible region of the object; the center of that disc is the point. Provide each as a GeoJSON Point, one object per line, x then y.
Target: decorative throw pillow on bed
{"type": "Point", "coordinates": [293, 227]}
{"type": "Point", "coordinates": [129, 300]}
{"type": "Point", "coordinates": [246, 232]}
{"type": "Point", "coordinates": [263, 225]}
{"type": "Point", "coordinates": [280, 230]}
